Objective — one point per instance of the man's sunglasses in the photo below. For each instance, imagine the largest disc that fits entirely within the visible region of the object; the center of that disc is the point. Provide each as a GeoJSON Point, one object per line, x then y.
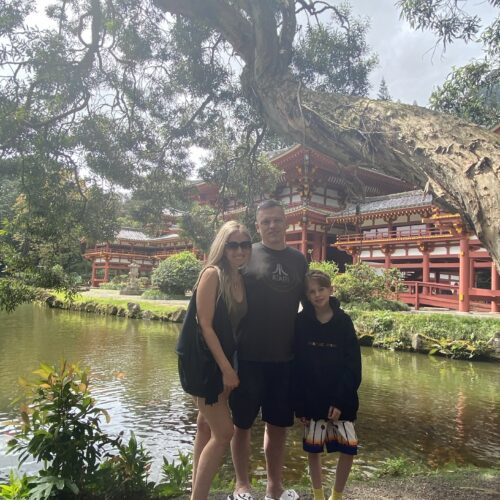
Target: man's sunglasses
{"type": "Point", "coordinates": [234, 245]}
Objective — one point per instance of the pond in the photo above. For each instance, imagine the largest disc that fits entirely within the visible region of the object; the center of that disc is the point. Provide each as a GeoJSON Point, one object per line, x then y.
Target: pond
{"type": "Point", "coordinates": [423, 408]}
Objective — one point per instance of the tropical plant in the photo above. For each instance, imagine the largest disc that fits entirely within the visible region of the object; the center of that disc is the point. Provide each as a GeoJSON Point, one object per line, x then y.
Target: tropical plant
{"type": "Point", "coordinates": [177, 274]}
{"type": "Point", "coordinates": [125, 475]}
{"type": "Point", "coordinates": [176, 476]}
{"type": "Point", "coordinates": [60, 428]}
{"type": "Point", "coordinates": [16, 488]}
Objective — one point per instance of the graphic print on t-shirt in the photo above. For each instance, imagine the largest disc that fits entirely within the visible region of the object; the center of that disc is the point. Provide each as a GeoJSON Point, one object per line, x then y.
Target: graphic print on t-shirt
{"type": "Point", "coordinates": [279, 274]}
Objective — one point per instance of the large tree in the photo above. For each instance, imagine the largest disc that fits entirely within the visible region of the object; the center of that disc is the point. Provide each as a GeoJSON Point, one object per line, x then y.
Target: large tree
{"type": "Point", "coordinates": [138, 82]}
{"type": "Point", "coordinates": [457, 161]}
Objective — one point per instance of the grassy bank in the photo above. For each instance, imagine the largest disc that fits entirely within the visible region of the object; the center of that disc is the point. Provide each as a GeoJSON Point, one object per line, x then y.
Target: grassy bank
{"type": "Point", "coordinates": [453, 335]}
{"type": "Point", "coordinates": [117, 306]}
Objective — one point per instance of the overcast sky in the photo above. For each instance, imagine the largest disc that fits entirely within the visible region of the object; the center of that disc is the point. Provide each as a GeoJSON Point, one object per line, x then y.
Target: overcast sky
{"type": "Point", "coordinates": [407, 60]}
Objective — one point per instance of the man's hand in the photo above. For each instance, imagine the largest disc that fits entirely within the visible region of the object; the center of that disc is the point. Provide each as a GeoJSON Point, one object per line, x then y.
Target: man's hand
{"type": "Point", "coordinates": [333, 413]}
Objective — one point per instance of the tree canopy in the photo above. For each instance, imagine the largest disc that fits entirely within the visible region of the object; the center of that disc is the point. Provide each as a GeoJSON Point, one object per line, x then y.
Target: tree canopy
{"type": "Point", "coordinates": [113, 94]}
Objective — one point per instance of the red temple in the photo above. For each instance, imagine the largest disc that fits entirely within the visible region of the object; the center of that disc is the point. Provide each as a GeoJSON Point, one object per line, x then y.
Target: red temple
{"type": "Point", "coordinates": [394, 226]}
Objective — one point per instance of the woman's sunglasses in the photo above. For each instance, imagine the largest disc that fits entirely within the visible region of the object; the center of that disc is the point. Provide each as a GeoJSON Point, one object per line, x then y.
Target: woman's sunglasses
{"type": "Point", "coordinates": [234, 245]}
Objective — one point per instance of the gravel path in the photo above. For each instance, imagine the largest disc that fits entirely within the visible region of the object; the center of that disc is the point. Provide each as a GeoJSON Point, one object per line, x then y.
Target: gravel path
{"type": "Point", "coordinates": [468, 485]}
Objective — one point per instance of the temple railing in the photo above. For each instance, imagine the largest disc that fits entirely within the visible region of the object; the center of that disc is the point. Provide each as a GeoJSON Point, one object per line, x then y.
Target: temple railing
{"type": "Point", "coordinates": [421, 293]}
{"type": "Point", "coordinates": [397, 234]}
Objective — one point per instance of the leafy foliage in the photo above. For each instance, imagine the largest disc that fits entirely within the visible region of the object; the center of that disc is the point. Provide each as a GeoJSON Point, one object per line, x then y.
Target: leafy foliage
{"type": "Point", "coordinates": [177, 274]}
{"type": "Point", "coordinates": [361, 283]}
{"type": "Point", "coordinates": [199, 225]}
{"type": "Point", "coordinates": [471, 92]}
{"type": "Point", "coordinates": [125, 475]}
{"type": "Point", "coordinates": [328, 267]}
{"type": "Point", "coordinates": [335, 57]}
{"type": "Point", "coordinates": [176, 476]}
{"type": "Point", "coordinates": [61, 429]}
{"type": "Point", "coordinates": [16, 488]}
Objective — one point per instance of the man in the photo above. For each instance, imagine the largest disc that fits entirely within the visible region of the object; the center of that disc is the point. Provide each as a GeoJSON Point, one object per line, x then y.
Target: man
{"type": "Point", "coordinates": [274, 280]}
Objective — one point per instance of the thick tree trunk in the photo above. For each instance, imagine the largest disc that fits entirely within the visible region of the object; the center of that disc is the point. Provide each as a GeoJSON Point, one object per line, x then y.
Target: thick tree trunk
{"type": "Point", "coordinates": [457, 161]}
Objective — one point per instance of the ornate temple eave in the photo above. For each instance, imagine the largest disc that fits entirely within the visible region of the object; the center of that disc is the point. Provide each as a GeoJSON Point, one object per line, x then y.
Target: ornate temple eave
{"type": "Point", "coordinates": [382, 214]}
{"type": "Point", "coordinates": [363, 242]}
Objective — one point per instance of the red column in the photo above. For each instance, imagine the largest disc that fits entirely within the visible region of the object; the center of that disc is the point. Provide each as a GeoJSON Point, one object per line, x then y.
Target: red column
{"type": "Point", "coordinates": [464, 275]}
{"type": "Point", "coordinates": [495, 281]}
{"type": "Point", "coordinates": [425, 269]}
{"type": "Point", "coordinates": [106, 271]}
{"type": "Point", "coordinates": [92, 281]}
{"type": "Point", "coordinates": [304, 237]}
{"type": "Point", "coordinates": [317, 246]}
{"type": "Point", "coordinates": [387, 261]}
{"type": "Point", "coordinates": [324, 240]}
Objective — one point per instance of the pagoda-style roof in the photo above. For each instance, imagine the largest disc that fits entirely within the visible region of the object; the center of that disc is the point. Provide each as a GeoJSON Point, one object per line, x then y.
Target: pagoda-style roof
{"type": "Point", "coordinates": [326, 169]}
{"type": "Point", "coordinates": [407, 202]}
{"type": "Point", "coordinates": [131, 234]}
{"type": "Point", "coordinates": [135, 235]}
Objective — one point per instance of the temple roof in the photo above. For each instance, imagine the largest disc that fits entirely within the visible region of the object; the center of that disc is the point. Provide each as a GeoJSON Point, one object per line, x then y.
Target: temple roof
{"type": "Point", "coordinates": [131, 234]}
{"type": "Point", "coordinates": [408, 199]}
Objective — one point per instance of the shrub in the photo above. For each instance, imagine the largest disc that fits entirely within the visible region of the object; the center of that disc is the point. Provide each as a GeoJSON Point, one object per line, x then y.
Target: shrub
{"type": "Point", "coordinates": [328, 267]}
{"type": "Point", "coordinates": [155, 294]}
{"type": "Point", "coordinates": [176, 476]}
{"type": "Point", "coordinates": [362, 283]}
{"type": "Point", "coordinates": [359, 283]}
{"type": "Point", "coordinates": [126, 474]}
{"type": "Point", "coordinates": [61, 429]}
{"type": "Point", "coordinates": [17, 487]}
{"type": "Point", "coordinates": [177, 274]}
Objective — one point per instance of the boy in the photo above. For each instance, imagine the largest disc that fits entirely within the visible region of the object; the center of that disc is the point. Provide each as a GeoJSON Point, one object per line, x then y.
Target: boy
{"type": "Point", "coordinates": [328, 374]}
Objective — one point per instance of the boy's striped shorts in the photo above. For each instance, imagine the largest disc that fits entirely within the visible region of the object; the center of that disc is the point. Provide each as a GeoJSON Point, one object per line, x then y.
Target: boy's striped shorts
{"type": "Point", "coordinates": [336, 436]}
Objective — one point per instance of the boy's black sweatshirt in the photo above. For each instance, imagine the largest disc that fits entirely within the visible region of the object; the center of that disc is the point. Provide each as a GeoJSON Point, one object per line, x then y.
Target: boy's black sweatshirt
{"type": "Point", "coordinates": [327, 364]}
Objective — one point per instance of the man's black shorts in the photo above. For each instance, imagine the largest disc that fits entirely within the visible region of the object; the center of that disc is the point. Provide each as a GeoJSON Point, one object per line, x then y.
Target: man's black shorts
{"type": "Point", "coordinates": [265, 386]}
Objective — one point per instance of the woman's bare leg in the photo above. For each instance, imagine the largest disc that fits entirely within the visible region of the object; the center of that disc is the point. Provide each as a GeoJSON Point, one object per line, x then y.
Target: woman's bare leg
{"type": "Point", "coordinates": [219, 420]}
{"type": "Point", "coordinates": [200, 441]}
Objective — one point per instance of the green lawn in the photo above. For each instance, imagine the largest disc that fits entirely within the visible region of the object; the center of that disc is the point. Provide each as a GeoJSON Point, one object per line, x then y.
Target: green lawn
{"type": "Point", "coordinates": [146, 305]}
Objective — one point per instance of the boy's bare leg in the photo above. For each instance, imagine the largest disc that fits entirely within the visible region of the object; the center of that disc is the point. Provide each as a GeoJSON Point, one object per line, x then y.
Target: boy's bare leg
{"type": "Point", "coordinates": [343, 469]}
{"type": "Point", "coordinates": [274, 450]}
{"type": "Point", "coordinates": [315, 470]}
{"type": "Point", "coordinates": [240, 451]}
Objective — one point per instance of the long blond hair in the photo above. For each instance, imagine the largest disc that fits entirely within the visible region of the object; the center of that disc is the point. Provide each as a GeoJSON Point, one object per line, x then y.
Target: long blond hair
{"type": "Point", "coordinates": [216, 258]}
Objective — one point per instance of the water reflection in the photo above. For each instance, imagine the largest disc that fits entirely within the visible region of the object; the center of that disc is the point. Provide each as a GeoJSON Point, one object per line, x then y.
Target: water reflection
{"type": "Point", "coordinates": [423, 408]}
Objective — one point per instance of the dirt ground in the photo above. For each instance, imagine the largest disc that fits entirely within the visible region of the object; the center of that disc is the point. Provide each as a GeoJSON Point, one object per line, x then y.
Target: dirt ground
{"type": "Point", "coordinates": [469, 485]}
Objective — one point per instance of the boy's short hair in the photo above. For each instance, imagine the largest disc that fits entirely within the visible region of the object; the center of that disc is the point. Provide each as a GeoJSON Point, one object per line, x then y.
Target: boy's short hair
{"type": "Point", "coordinates": [264, 205]}
{"type": "Point", "coordinates": [322, 278]}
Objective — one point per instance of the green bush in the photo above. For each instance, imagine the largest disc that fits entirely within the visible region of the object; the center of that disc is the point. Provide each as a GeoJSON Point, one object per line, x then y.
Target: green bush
{"type": "Point", "coordinates": [155, 294]}
{"type": "Point", "coordinates": [61, 429]}
{"type": "Point", "coordinates": [17, 487]}
{"type": "Point", "coordinates": [362, 283]}
{"type": "Point", "coordinates": [176, 476]}
{"type": "Point", "coordinates": [177, 274]}
{"type": "Point", "coordinates": [126, 474]}
{"type": "Point", "coordinates": [328, 267]}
